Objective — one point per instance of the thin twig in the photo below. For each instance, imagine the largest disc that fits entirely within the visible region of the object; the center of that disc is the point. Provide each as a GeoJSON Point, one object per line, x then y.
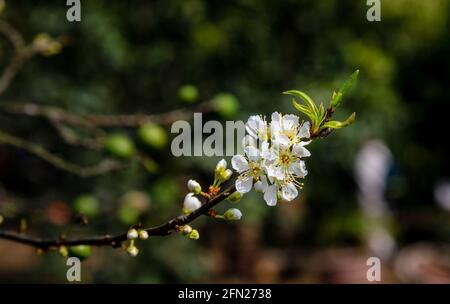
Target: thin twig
{"type": "Point", "coordinates": [122, 120]}
{"type": "Point", "coordinates": [20, 54]}
{"type": "Point", "coordinates": [116, 241]}
{"type": "Point", "coordinates": [103, 167]}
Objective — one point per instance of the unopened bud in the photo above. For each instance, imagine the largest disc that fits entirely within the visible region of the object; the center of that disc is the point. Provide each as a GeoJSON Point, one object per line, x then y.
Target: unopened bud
{"type": "Point", "coordinates": [221, 166]}
{"type": "Point", "coordinates": [233, 214]}
{"type": "Point", "coordinates": [194, 235]}
{"type": "Point", "coordinates": [143, 235]}
{"type": "Point", "coordinates": [225, 175]}
{"type": "Point", "coordinates": [132, 251]}
{"type": "Point", "coordinates": [63, 251]}
{"type": "Point", "coordinates": [194, 186]}
{"type": "Point", "coordinates": [235, 197]}
{"type": "Point", "coordinates": [132, 234]}
{"type": "Point", "coordinates": [191, 203]}
{"type": "Point", "coordinates": [186, 229]}
{"type": "Point", "coordinates": [259, 187]}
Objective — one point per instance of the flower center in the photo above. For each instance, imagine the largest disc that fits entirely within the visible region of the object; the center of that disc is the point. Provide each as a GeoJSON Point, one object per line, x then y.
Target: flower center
{"type": "Point", "coordinates": [255, 170]}
{"type": "Point", "coordinates": [285, 159]}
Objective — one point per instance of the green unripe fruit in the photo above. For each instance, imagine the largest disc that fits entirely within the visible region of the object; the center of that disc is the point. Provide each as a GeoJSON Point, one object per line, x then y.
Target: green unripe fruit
{"type": "Point", "coordinates": [226, 105]}
{"type": "Point", "coordinates": [132, 205]}
{"type": "Point", "coordinates": [81, 251]}
{"type": "Point", "coordinates": [153, 136]}
{"type": "Point", "coordinates": [87, 205]}
{"type": "Point", "coordinates": [188, 93]}
{"type": "Point", "coordinates": [119, 145]}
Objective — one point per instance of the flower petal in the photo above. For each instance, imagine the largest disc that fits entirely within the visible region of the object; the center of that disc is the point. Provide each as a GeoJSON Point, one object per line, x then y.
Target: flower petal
{"type": "Point", "coordinates": [299, 169]}
{"type": "Point", "coordinates": [290, 122]}
{"type": "Point", "coordinates": [244, 183]}
{"type": "Point", "coordinates": [304, 130]}
{"type": "Point", "coordinates": [289, 192]}
{"type": "Point", "coordinates": [252, 153]}
{"type": "Point", "coordinates": [253, 125]}
{"type": "Point", "coordinates": [270, 196]}
{"type": "Point", "coordinates": [249, 140]}
{"type": "Point", "coordinates": [239, 163]}
{"type": "Point", "coordinates": [261, 185]}
{"type": "Point", "coordinates": [300, 151]}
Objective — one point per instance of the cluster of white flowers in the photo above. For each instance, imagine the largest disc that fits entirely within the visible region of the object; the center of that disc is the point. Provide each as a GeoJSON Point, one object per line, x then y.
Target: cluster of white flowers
{"type": "Point", "coordinates": [272, 161]}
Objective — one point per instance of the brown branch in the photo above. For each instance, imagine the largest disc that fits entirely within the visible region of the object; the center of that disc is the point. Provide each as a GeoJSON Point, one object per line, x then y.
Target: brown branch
{"type": "Point", "coordinates": [90, 120]}
{"type": "Point", "coordinates": [20, 54]}
{"type": "Point", "coordinates": [116, 241]}
{"type": "Point", "coordinates": [103, 167]}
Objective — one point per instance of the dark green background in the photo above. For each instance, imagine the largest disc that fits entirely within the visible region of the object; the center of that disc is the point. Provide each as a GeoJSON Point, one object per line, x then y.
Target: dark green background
{"type": "Point", "coordinates": [132, 56]}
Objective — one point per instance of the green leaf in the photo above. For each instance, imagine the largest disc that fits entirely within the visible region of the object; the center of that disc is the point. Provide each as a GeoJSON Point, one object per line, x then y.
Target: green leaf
{"type": "Point", "coordinates": [337, 96]}
{"type": "Point", "coordinates": [304, 110]}
{"type": "Point", "coordinates": [334, 124]}
{"type": "Point", "coordinates": [301, 107]}
{"type": "Point", "coordinates": [308, 100]}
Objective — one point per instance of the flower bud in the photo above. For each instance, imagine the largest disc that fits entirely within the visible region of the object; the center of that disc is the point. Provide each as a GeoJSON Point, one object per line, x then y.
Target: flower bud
{"type": "Point", "coordinates": [194, 186]}
{"type": "Point", "coordinates": [225, 175]}
{"type": "Point", "coordinates": [63, 251]}
{"type": "Point", "coordinates": [191, 203]}
{"type": "Point", "coordinates": [259, 186]}
{"type": "Point", "coordinates": [143, 235]}
{"type": "Point", "coordinates": [235, 197]}
{"type": "Point", "coordinates": [233, 214]}
{"type": "Point", "coordinates": [221, 166]}
{"type": "Point", "coordinates": [186, 229]}
{"type": "Point", "coordinates": [132, 251]}
{"type": "Point", "coordinates": [194, 235]}
{"type": "Point", "coordinates": [132, 234]}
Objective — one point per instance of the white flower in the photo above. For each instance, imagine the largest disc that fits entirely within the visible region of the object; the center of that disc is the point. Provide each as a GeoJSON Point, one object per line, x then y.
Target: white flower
{"type": "Point", "coordinates": [250, 168]}
{"type": "Point", "coordinates": [191, 203]}
{"type": "Point", "coordinates": [194, 186]}
{"type": "Point", "coordinates": [132, 234]}
{"type": "Point", "coordinates": [233, 214]}
{"type": "Point", "coordinates": [286, 130]}
{"type": "Point", "coordinates": [257, 128]}
{"type": "Point", "coordinates": [273, 157]}
{"type": "Point", "coordinates": [285, 164]}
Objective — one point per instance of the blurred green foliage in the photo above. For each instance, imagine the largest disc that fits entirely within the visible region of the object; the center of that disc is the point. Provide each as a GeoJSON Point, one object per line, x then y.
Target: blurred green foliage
{"type": "Point", "coordinates": [134, 56]}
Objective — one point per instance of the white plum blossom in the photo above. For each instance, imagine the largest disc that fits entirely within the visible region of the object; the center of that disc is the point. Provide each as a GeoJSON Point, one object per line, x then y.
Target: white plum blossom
{"type": "Point", "coordinates": [257, 128]}
{"type": "Point", "coordinates": [250, 168]}
{"type": "Point", "coordinates": [273, 157]}
{"type": "Point", "coordinates": [285, 129]}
